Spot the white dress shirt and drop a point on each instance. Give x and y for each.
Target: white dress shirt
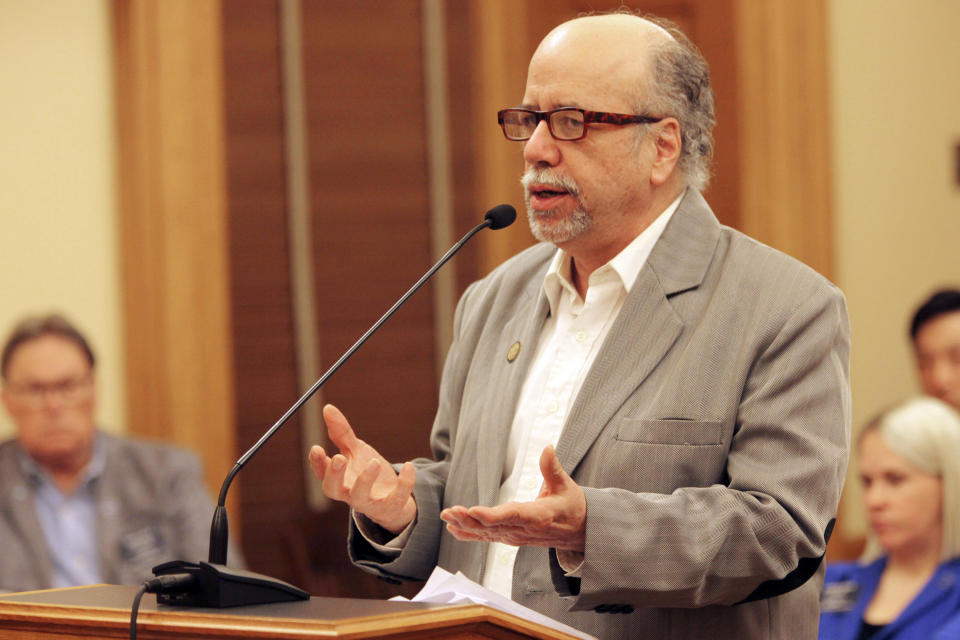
(568, 344)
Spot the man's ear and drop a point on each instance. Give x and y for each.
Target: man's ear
(667, 146)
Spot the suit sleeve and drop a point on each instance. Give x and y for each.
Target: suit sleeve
(762, 531)
(419, 555)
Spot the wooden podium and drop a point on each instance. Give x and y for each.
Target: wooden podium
(103, 611)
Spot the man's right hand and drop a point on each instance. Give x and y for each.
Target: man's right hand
(359, 476)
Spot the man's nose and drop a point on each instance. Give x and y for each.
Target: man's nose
(52, 399)
(541, 149)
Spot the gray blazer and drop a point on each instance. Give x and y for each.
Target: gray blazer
(711, 438)
(151, 503)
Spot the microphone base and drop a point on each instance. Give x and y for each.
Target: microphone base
(218, 586)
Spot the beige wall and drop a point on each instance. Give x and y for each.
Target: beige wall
(896, 120)
(57, 177)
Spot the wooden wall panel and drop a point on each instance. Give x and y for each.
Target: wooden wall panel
(368, 167)
(784, 143)
(367, 163)
(272, 484)
(464, 110)
(173, 222)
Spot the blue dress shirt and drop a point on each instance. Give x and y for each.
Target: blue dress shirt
(69, 522)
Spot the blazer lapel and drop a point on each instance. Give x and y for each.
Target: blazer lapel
(107, 494)
(646, 328)
(523, 327)
(17, 500)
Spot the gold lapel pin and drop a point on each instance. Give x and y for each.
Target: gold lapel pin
(513, 351)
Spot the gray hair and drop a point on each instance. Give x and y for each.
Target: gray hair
(35, 327)
(680, 87)
(926, 433)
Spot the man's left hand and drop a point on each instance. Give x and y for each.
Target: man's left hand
(556, 519)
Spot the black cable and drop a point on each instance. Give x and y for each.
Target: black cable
(134, 610)
(158, 585)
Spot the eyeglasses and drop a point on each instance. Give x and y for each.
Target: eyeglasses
(565, 123)
(69, 391)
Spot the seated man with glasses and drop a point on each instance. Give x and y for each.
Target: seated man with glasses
(644, 420)
(79, 506)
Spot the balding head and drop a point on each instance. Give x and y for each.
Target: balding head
(650, 63)
(613, 49)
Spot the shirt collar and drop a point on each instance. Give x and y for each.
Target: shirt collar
(93, 470)
(626, 265)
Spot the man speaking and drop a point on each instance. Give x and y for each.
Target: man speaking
(643, 423)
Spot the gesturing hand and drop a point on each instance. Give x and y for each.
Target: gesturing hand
(557, 518)
(359, 476)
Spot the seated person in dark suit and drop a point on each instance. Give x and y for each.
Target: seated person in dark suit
(935, 333)
(907, 584)
(79, 506)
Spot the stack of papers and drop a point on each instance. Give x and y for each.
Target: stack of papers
(444, 587)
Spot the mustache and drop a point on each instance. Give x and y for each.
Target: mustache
(548, 178)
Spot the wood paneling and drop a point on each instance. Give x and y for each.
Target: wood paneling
(264, 346)
(363, 80)
(368, 167)
(173, 227)
(784, 125)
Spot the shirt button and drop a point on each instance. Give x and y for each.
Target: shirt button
(581, 336)
(552, 406)
(531, 484)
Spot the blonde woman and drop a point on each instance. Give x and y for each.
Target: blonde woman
(907, 584)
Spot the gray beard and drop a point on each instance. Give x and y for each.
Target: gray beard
(559, 232)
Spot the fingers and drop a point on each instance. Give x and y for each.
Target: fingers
(339, 430)
(319, 461)
(406, 479)
(335, 482)
(363, 485)
(330, 471)
(460, 517)
(554, 477)
(462, 526)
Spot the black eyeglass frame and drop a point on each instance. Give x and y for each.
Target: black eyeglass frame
(602, 117)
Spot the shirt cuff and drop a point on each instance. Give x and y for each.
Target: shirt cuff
(379, 538)
(571, 562)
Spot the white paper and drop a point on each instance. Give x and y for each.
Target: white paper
(444, 587)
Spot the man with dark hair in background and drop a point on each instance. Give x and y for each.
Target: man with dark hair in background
(935, 333)
(644, 421)
(79, 506)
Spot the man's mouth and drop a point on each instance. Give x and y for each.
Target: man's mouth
(545, 196)
(547, 193)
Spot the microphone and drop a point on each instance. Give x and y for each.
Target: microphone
(218, 586)
(500, 216)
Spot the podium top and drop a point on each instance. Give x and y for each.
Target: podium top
(104, 611)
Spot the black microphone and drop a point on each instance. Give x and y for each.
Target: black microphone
(216, 585)
(499, 217)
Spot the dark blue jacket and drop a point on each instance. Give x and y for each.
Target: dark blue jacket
(933, 615)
